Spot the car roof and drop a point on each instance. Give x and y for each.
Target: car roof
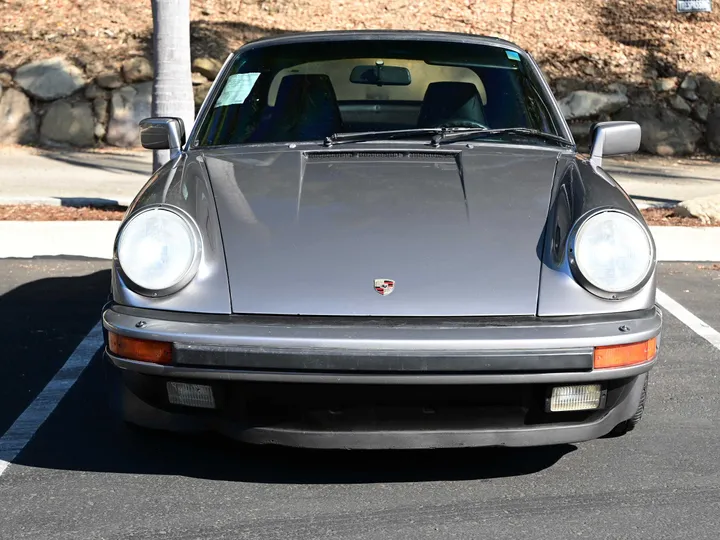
(363, 35)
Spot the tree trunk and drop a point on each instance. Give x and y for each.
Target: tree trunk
(172, 86)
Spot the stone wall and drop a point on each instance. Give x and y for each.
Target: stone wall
(52, 102)
(679, 116)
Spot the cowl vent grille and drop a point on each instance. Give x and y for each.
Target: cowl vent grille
(331, 156)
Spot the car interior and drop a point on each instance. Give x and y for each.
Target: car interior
(315, 100)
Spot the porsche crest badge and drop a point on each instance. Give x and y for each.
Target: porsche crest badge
(384, 286)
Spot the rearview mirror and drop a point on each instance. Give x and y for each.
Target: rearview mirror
(613, 139)
(162, 134)
(381, 75)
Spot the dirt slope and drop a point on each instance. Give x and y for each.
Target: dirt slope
(603, 40)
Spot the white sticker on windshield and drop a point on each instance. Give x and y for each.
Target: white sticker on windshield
(237, 89)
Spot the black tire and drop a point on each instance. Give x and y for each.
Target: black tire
(628, 425)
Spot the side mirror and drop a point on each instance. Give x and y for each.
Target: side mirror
(162, 134)
(613, 139)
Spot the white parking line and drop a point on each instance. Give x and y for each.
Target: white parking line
(27, 424)
(700, 327)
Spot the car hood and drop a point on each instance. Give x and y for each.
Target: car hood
(308, 233)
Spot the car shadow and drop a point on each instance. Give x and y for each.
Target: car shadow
(83, 434)
(47, 307)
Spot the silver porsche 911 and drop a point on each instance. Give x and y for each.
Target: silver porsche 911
(383, 240)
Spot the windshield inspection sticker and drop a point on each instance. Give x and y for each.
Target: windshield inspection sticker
(512, 55)
(237, 89)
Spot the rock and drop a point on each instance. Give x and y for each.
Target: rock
(664, 132)
(70, 123)
(618, 88)
(137, 69)
(18, 124)
(100, 108)
(93, 91)
(109, 80)
(99, 131)
(707, 209)
(208, 67)
(199, 79)
(709, 90)
(199, 93)
(50, 79)
(690, 95)
(564, 86)
(584, 104)
(689, 83)
(700, 112)
(642, 97)
(128, 106)
(5, 79)
(581, 134)
(666, 85)
(712, 134)
(679, 104)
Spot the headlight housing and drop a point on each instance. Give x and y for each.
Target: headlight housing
(612, 254)
(158, 251)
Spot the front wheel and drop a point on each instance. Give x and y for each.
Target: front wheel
(628, 425)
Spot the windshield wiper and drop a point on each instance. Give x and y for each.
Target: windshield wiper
(361, 136)
(474, 133)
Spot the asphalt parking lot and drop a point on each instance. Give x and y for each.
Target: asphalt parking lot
(84, 475)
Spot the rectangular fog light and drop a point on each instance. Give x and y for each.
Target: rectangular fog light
(582, 397)
(191, 395)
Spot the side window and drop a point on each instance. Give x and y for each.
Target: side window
(237, 111)
(539, 115)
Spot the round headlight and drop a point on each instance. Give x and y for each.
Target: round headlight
(158, 251)
(613, 252)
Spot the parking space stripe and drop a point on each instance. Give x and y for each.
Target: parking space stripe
(27, 424)
(700, 327)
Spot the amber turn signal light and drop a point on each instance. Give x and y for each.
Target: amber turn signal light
(625, 355)
(157, 352)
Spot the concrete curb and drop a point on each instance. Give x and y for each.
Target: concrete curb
(25, 239)
(682, 244)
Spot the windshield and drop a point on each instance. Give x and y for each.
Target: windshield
(310, 91)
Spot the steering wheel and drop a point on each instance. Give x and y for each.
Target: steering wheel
(462, 122)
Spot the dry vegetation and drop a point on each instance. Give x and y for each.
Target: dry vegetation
(31, 212)
(668, 217)
(603, 40)
(654, 216)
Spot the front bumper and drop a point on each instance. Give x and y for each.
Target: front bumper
(381, 383)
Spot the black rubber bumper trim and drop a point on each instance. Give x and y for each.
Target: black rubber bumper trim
(339, 360)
